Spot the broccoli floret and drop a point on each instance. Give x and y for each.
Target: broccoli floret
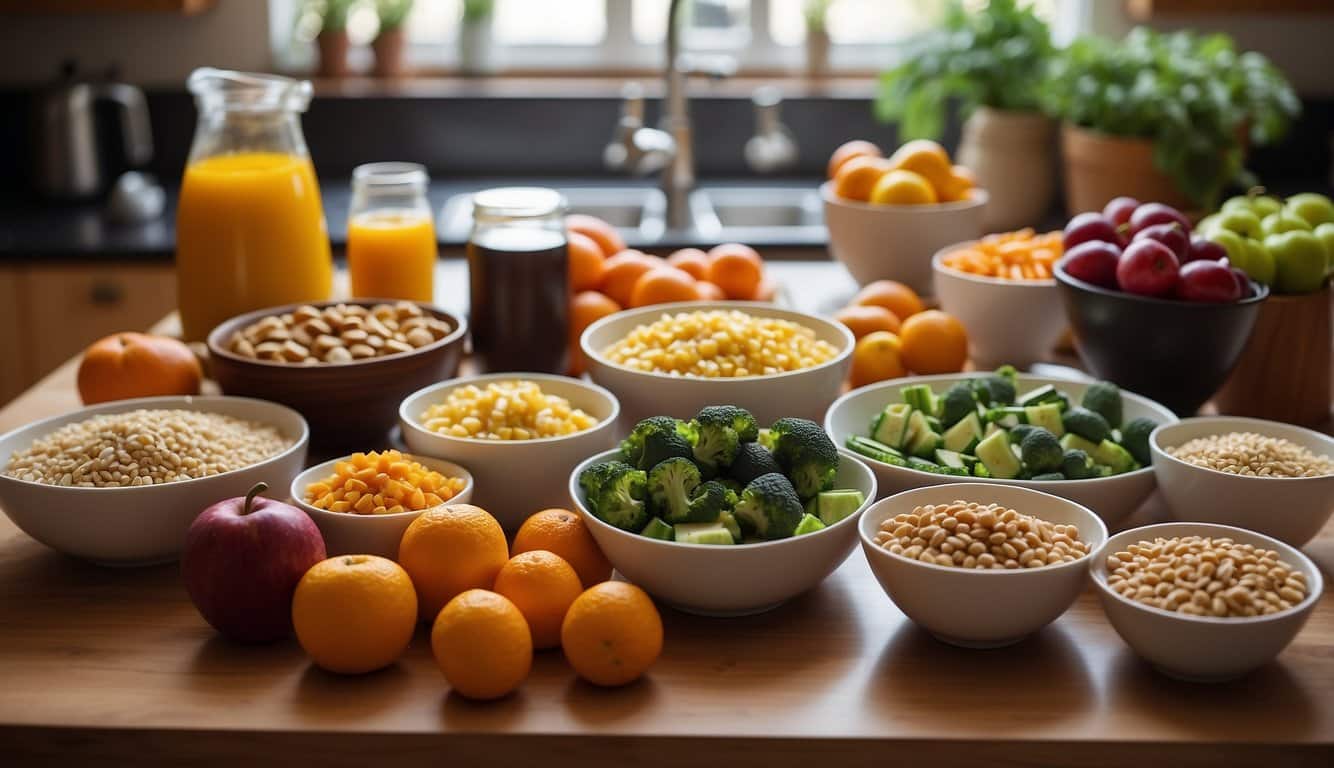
(739, 419)
(1041, 451)
(1104, 398)
(770, 507)
(655, 439)
(1009, 373)
(1086, 423)
(1019, 431)
(806, 454)
(1135, 438)
(994, 390)
(957, 403)
(752, 460)
(709, 501)
(670, 485)
(1076, 465)
(619, 499)
(592, 478)
(717, 432)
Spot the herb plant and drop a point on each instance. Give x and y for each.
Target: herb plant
(477, 10)
(393, 13)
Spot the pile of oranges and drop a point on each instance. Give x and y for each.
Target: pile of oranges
(490, 606)
(918, 173)
(897, 335)
(606, 277)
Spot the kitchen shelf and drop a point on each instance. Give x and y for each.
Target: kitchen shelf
(1143, 10)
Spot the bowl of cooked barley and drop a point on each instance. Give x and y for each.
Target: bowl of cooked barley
(119, 483)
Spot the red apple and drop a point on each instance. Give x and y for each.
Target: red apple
(1148, 268)
(1086, 227)
(242, 561)
(1093, 262)
(1156, 213)
(1170, 235)
(1243, 284)
(1119, 209)
(1204, 248)
(1210, 281)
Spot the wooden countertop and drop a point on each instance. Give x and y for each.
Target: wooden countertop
(112, 666)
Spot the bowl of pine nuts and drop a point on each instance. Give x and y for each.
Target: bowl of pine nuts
(344, 365)
(980, 565)
(1205, 602)
(1266, 476)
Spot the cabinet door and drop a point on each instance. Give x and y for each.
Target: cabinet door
(14, 367)
(69, 307)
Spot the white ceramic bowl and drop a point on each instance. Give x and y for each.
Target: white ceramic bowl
(516, 478)
(805, 393)
(981, 608)
(896, 242)
(351, 534)
(146, 524)
(1200, 648)
(1008, 321)
(729, 581)
(1291, 509)
(1113, 498)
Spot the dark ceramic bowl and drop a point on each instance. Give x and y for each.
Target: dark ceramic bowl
(1176, 352)
(348, 405)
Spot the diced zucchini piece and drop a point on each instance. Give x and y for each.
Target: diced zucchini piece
(872, 449)
(947, 458)
(1047, 416)
(832, 506)
(1114, 456)
(995, 453)
(965, 435)
(1048, 476)
(891, 426)
(704, 533)
(808, 524)
(921, 398)
(657, 529)
(1072, 442)
(1043, 394)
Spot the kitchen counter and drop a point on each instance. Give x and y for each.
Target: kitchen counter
(112, 666)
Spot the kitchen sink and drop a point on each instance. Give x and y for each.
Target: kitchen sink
(640, 213)
(744, 214)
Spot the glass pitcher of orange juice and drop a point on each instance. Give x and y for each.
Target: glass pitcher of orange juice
(391, 246)
(250, 230)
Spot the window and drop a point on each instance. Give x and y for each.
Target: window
(587, 35)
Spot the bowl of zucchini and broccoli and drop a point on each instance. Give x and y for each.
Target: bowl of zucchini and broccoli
(718, 516)
(1085, 441)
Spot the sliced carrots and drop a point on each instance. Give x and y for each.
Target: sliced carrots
(1019, 255)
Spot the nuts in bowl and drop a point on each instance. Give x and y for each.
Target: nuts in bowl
(338, 333)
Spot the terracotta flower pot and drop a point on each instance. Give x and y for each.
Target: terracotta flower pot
(1284, 372)
(389, 46)
(817, 52)
(1012, 155)
(333, 47)
(1099, 167)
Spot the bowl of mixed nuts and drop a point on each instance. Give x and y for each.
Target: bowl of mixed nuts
(344, 365)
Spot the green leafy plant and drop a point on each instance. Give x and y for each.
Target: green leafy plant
(1195, 97)
(815, 12)
(477, 10)
(393, 13)
(996, 57)
(332, 13)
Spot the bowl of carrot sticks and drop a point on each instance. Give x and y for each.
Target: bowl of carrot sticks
(1001, 288)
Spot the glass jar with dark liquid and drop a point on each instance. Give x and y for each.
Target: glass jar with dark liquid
(518, 285)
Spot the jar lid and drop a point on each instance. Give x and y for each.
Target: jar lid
(518, 203)
(390, 174)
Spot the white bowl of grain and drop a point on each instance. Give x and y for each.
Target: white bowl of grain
(229, 443)
(1236, 471)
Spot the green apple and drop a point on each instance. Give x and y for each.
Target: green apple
(1260, 264)
(1312, 208)
(1325, 233)
(1278, 223)
(1207, 225)
(1300, 260)
(1260, 205)
(1241, 221)
(1235, 245)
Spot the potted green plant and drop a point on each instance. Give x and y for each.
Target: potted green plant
(1164, 117)
(332, 39)
(475, 36)
(817, 36)
(389, 40)
(993, 62)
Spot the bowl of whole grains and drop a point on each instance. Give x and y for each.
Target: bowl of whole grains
(519, 433)
(119, 483)
(344, 365)
(1205, 602)
(675, 359)
(364, 502)
(980, 565)
(1266, 476)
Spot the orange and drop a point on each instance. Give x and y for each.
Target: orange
(934, 342)
(849, 150)
(482, 644)
(691, 260)
(877, 357)
(857, 177)
(926, 158)
(663, 285)
(903, 188)
(602, 233)
(354, 613)
(867, 318)
(767, 290)
(612, 633)
(564, 533)
(961, 181)
(586, 308)
(542, 586)
(709, 292)
(892, 295)
(451, 549)
(125, 365)
(623, 271)
(737, 269)
(586, 262)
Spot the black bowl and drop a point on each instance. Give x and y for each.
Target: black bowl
(1176, 352)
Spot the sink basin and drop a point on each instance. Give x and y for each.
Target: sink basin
(744, 214)
(640, 213)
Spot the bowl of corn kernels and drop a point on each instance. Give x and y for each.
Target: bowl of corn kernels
(521, 433)
(344, 365)
(1205, 602)
(1267, 476)
(675, 359)
(363, 502)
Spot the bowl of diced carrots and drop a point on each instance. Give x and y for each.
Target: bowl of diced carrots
(1001, 288)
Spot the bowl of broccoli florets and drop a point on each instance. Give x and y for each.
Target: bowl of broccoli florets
(719, 516)
(1087, 441)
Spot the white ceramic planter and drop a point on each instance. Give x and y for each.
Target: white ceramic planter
(1013, 155)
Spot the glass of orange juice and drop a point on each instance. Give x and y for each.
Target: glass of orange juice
(391, 245)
